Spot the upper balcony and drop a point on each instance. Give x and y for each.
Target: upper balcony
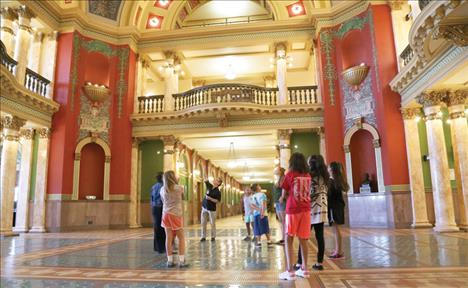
(437, 45)
(236, 98)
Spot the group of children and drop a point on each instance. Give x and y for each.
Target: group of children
(306, 197)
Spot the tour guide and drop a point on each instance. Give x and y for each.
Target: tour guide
(213, 196)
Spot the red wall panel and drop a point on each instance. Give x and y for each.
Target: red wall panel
(363, 159)
(92, 171)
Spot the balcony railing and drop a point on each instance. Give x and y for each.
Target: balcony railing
(423, 3)
(229, 93)
(406, 55)
(36, 83)
(7, 61)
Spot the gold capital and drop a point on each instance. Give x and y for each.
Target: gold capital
(284, 134)
(411, 113)
(44, 133)
(432, 98)
(8, 13)
(12, 123)
(457, 97)
(27, 134)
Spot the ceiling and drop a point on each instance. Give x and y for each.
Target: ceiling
(255, 152)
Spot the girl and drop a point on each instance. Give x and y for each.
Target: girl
(258, 203)
(337, 186)
(172, 221)
(279, 207)
(296, 192)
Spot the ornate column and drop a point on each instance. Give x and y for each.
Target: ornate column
(411, 117)
(169, 142)
(49, 56)
(323, 147)
(140, 80)
(459, 129)
(22, 204)
(284, 138)
(11, 126)
(133, 207)
(169, 73)
(7, 35)
(349, 169)
(440, 174)
(40, 192)
(35, 51)
(281, 68)
(22, 41)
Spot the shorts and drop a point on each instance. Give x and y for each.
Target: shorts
(248, 218)
(298, 225)
(280, 207)
(171, 221)
(336, 215)
(261, 225)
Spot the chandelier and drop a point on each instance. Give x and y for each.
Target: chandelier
(230, 74)
(246, 173)
(232, 156)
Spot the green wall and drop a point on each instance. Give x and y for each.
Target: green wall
(151, 164)
(32, 183)
(307, 143)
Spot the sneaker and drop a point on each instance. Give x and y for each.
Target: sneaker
(253, 239)
(280, 242)
(246, 238)
(302, 273)
(258, 244)
(317, 267)
(297, 266)
(286, 275)
(336, 256)
(203, 239)
(213, 239)
(183, 265)
(269, 243)
(170, 265)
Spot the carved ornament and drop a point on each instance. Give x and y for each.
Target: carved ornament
(284, 134)
(25, 12)
(457, 97)
(12, 123)
(432, 98)
(411, 113)
(27, 134)
(77, 156)
(222, 119)
(8, 13)
(457, 34)
(169, 140)
(376, 143)
(44, 133)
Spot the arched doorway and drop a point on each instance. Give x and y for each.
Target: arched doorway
(363, 160)
(91, 183)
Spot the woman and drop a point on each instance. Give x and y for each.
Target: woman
(336, 205)
(172, 221)
(319, 209)
(279, 207)
(159, 238)
(296, 190)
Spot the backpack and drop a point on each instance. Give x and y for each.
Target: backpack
(301, 188)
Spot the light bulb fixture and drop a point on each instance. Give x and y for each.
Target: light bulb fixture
(417, 118)
(230, 74)
(154, 21)
(162, 3)
(232, 156)
(276, 161)
(196, 172)
(296, 9)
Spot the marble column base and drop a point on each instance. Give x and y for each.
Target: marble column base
(21, 229)
(445, 229)
(8, 234)
(463, 227)
(421, 225)
(37, 230)
(134, 226)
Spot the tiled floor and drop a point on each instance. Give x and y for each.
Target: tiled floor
(374, 258)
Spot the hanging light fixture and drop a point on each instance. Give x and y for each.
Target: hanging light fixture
(230, 74)
(246, 174)
(232, 156)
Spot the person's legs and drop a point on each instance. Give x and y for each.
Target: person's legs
(181, 236)
(299, 256)
(169, 238)
(318, 228)
(160, 232)
(247, 225)
(203, 216)
(304, 252)
(338, 245)
(213, 223)
(155, 229)
(281, 217)
(289, 253)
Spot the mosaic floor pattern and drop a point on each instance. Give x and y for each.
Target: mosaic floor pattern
(124, 258)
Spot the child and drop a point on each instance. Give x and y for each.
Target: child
(259, 206)
(172, 221)
(248, 216)
(336, 205)
(279, 207)
(296, 190)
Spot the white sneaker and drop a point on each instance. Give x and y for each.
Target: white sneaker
(286, 275)
(302, 273)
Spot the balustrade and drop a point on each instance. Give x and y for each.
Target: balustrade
(150, 104)
(229, 93)
(36, 83)
(6, 60)
(406, 55)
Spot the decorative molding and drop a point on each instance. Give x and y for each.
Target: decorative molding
(26, 134)
(10, 137)
(432, 98)
(58, 197)
(346, 149)
(25, 12)
(9, 14)
(12, 123)
(376, 143)
(109, 9)
(107, 159)
(284, 134)
(457, 97)
(411, 113)
(44, 133)
(457, 34)
(168, 140)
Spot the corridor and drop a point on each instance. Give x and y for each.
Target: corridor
(124, 258)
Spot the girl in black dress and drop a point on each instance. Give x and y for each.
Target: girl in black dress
(336, 205)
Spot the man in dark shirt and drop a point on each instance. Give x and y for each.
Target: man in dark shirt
(212, 197)
(159, 243)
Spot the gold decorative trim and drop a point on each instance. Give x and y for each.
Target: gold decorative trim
(457, 97)
(7, 30)
(411, 113)
(168, 140)
(432, 98)
(457, 34)
(456, 115)
(44, 133)
(9, 14)
(107, 159)
(10, 137)
(284, 134)
(12, 122)
(26, 134)
(77, 156)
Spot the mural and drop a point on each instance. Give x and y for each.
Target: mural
(105, 8)
(358, 103)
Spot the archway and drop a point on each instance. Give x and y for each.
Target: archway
(377, 159)
(91, 182)
(77, 165)
(363, 160)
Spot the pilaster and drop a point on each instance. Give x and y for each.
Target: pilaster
(281, 70)
(284, 139)
(411, 117)
(7, 34)
(133, 205)
(169, 149)
(22, 44)
(39, 212)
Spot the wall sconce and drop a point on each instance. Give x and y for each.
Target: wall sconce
(355, 75)
(426, 157)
